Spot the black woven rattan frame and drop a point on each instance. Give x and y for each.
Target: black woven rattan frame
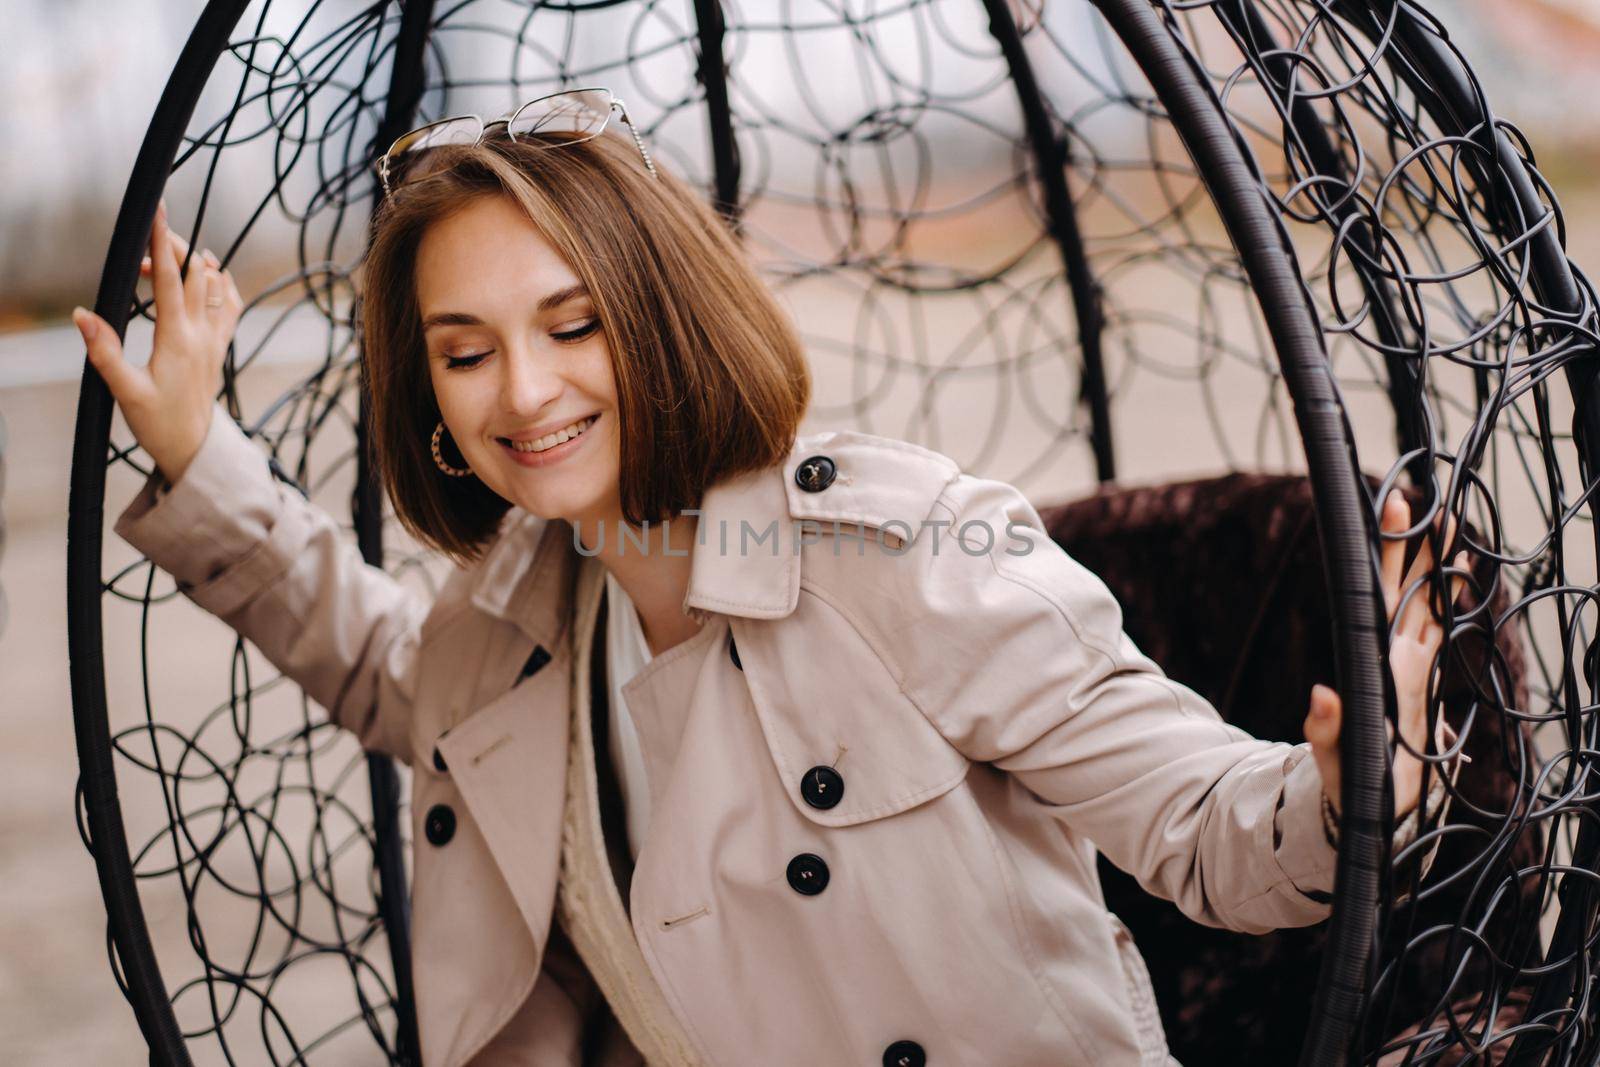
(1513, 222)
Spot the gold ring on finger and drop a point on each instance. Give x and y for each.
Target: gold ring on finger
(214, 302)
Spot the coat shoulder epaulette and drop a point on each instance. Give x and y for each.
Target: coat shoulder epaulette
(851, 478)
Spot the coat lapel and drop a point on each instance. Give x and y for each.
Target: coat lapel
(509, 761)
(508, 758)
(527, 577)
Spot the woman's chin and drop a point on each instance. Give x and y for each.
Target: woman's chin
(569, 507)
(560, 491)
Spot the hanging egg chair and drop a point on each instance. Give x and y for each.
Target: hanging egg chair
(1205, 279)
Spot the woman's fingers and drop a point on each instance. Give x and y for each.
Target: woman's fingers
(232, 305)
(173, 284)
(219, 302)
(130, 385)
(1453, 583)
(195, 284)
(1322, 727)
(1392, 554)
(1322, 730)
(1421, 612)
(164, 275)
(223, 308)
(180, 249)
(1416, 615)
(216, 296)
(1415, 637)
(1432, 625)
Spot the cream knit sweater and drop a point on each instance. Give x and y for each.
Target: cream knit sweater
(588, 900)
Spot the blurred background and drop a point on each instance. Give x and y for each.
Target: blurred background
(80, 81)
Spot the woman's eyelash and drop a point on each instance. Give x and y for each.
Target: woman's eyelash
(458, 362)
(581, 332)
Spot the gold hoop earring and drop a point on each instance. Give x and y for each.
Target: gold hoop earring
(438, 460)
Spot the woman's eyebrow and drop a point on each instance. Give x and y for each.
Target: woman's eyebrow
(553, 299)
(560, 296)
(450, 318)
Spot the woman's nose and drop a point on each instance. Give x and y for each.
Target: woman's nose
(528, 382)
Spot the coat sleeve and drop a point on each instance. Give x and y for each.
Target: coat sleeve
(1019, 659)
(277, 569)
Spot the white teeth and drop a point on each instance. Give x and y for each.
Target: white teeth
(549, 441)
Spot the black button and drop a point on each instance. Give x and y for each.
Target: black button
(440, 825)
(815, 473)
(438, 761)
(535, 661)
(733, 653)
(904, 1054)
(808, 874)
(823, 787)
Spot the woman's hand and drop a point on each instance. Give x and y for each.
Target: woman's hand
(168, 403)
(1412, 649)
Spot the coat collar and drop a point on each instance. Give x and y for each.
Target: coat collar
(528, 576)
(745, 560)
(881, 484)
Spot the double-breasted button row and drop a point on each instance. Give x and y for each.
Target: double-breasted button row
(815, 473)
(822, 787)
(440, 825)
(904, 1054)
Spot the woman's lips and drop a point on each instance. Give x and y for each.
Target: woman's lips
(550, 455)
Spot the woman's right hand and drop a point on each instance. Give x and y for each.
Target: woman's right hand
(168, 403)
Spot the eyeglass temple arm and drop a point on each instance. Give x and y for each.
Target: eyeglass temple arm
(637, 140)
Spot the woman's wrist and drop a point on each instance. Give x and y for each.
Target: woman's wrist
(173, 465)
(1405, 830)
(1330, 821)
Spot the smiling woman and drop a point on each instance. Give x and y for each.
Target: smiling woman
(858, 795)
(513, 292)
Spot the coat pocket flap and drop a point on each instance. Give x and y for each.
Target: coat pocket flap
(848, 744)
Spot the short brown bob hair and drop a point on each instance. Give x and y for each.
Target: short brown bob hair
(711, 378)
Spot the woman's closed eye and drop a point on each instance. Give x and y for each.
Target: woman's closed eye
(582, 330)
(469, 360)
(572, 336)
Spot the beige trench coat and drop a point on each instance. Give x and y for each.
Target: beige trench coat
(980, 717)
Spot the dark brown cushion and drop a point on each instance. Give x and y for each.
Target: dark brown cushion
(1221, 583)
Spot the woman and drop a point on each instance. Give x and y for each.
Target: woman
(816, 777)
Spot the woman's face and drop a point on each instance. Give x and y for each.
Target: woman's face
(516, 354)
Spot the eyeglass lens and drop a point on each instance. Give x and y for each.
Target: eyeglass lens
(580, 113)
(464, 130)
